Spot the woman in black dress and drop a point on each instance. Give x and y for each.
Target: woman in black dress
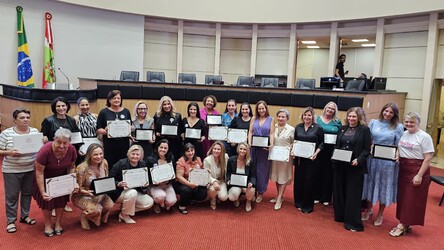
(193, 121)
(59, 119)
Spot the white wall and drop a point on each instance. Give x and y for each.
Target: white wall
(272, 56)
(359, 60)
(235, 57)
(88, 42)
(160, 54)
(198, 55)
(312, 64)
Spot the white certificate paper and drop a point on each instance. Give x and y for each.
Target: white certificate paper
(198, 176)
(238, 180)
(193, 133)
(279, 153)
(60, 185)
(384, 152)
(103, 185)
(217, 133)
(236, 135)
(169, 130)
(87, 142)
(214, 119)
(76, 138)
(330, 138)
(161, 173)
(136, 177)
(342, 155)
(303, 149)
(144, 134)
(259, 141)
(27, 144)
(119, 128)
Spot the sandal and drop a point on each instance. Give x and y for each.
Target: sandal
(397, 231)
(58, 232)
(49, 234)
(183, 210)
(10, 228)
(28, 221)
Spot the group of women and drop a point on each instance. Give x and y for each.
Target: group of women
(317, 178)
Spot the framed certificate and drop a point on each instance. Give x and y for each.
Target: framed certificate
(214, 120)
(60, 185)
(330, 138)
(161, 173)
(279, 153)
(384, 152)
(27, 144)
(103, 185)
(342, 155)
(260, 141)
(303, 149)
(169, 130)
(217, 133)
(76, 138)
(144, 134)
(136, 177)
(236, 135)
(239, 180)
(193, 133)
(119, 128)
(87, 142)
(198, 176)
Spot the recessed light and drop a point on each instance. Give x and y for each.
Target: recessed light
(359, 40)
(308, 42)
(368, 45)
(313, 47)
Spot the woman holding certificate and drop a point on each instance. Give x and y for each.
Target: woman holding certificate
(94, 207)
(186, 189)
(59, 119)
(242, 121)
(227, 117)
(282, 171)
(209, 103)
(194, 129)
(261, 138)
(309, 138)
(168, 125)
(415, 151)
(114, 123)
(18, 169)
(162, 192)
(241, 176)
(87, 124)
(130, 177)
(381, 182)
(141, 122)
(55, 159)
(216, 164)
(350, 164)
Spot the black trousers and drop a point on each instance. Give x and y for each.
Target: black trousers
(187, 194)
(305, 172)
(347, 194)
(324, 179)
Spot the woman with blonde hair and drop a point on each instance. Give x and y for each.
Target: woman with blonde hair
(141, 120)
(216, 164)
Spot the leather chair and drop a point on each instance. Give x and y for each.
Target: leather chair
(129, 76)
(187, 78)
(355, 85)
(440, 181)
(152, 76)
(305, 83)
(270, 82)
(213, 79)
(246, 81)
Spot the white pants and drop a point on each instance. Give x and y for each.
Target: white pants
(234, 193)
(133, 201)
(163, 195)
(222, 194)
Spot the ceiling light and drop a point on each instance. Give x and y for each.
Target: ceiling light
(313, 47)
(368, 45)
(359, 40)
(308, 42)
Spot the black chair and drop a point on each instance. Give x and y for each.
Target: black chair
(355, 85)
(280, 99)
(129, 76)
(319, 101)
(152, 76)
(301, 100)
(213, 79)
(187, 78)
(346, 102)
(440, 181)
(269, 82)
(305, 83)
(246, 81)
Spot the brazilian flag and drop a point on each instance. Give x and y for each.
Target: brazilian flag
(24, 69)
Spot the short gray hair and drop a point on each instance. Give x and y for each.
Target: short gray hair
(63, 133)
(285, 111)
(413, 115)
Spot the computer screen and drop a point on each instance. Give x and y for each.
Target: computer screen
(329, 82)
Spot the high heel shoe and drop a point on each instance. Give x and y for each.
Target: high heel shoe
(84, 221)
(378, 221)
(248, 206)
(278, 205)
(259, 198)
(126, 218)
(397, 231)
(367, 215)
(183, 210)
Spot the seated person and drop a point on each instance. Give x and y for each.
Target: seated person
(216, 163)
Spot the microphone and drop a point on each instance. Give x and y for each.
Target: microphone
(64, 74)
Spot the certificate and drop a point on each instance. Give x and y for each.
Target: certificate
(303, 149)
(144, 134)
(214, 120)
(330, 138)
(26, 144)
(76, 138)
(198, 176)
(217, 133)
(136, 177)
(161, 173)
(87, 142)
(384, 152)
(103, 185)
(119, 128)
(279, 153)
(259, 141)
(193, 133)
(236, 135)
(169, 130)
(60, 185)
(342, 155)
(238, 180)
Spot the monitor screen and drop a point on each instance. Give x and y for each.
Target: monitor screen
(329, 82)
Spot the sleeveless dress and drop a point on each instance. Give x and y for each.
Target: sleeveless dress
(260, 155)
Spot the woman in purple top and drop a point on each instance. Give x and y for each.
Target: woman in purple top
(209, 103)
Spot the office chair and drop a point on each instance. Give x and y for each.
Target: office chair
(152, 76)
(213, 79)
(129, 76)
(269, 82)
(187, 78)
(440, 181)
(355, 85)
(245, 81)
(305, 83)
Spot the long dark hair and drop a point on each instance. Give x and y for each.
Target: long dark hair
(193, 104)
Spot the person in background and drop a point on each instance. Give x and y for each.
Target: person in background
(415, 151)
(227, 117)
(339, 70)
(209, 105)
(193, 121)
(216, 164)
(142, 120)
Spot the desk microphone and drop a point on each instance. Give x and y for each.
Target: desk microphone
(64, 74)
